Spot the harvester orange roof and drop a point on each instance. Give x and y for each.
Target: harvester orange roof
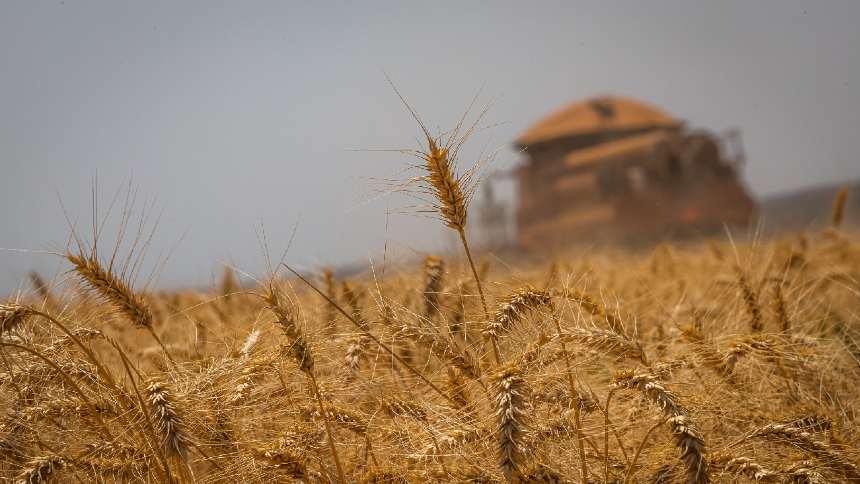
(604, 113)
(621, 149)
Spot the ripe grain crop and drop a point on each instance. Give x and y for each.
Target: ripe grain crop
(697, 370)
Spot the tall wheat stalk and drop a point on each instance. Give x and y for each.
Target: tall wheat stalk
(574, 393)
(450, 192)
(301, 352)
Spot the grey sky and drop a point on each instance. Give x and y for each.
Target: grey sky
(233, 113)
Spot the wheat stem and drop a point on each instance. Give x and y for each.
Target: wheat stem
(632, 464)
(328, 431)
(462, 234)
(606, 438)
(577, 417)
(162, 458)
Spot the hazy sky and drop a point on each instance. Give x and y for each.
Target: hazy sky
(235, 114)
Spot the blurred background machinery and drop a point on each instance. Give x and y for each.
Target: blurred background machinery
(617, 169)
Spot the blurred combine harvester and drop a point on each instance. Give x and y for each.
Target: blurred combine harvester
(613, 168)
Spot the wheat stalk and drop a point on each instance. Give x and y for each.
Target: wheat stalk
(447, 189)
(301, 352)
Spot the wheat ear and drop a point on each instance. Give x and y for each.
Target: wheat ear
(588, 304)
(606, 341)
(750, 300)
(288, 461)
(434, 270)
(168, 424)
(446, 349)
(511, 413)
(353, 300)
(512, 308)
(745, 466)
(780, 308)
(459, 391)
(687, 438)
(112, 289)
(329, 314)
(116, 292)
(285, 320)
(40, 469)
(228, 285)
(803, 472)
(250, 344)
(804, 440)
(838, 213)
(42, 287)
(12, 315)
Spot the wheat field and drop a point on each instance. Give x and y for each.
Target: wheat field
(715, 361)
